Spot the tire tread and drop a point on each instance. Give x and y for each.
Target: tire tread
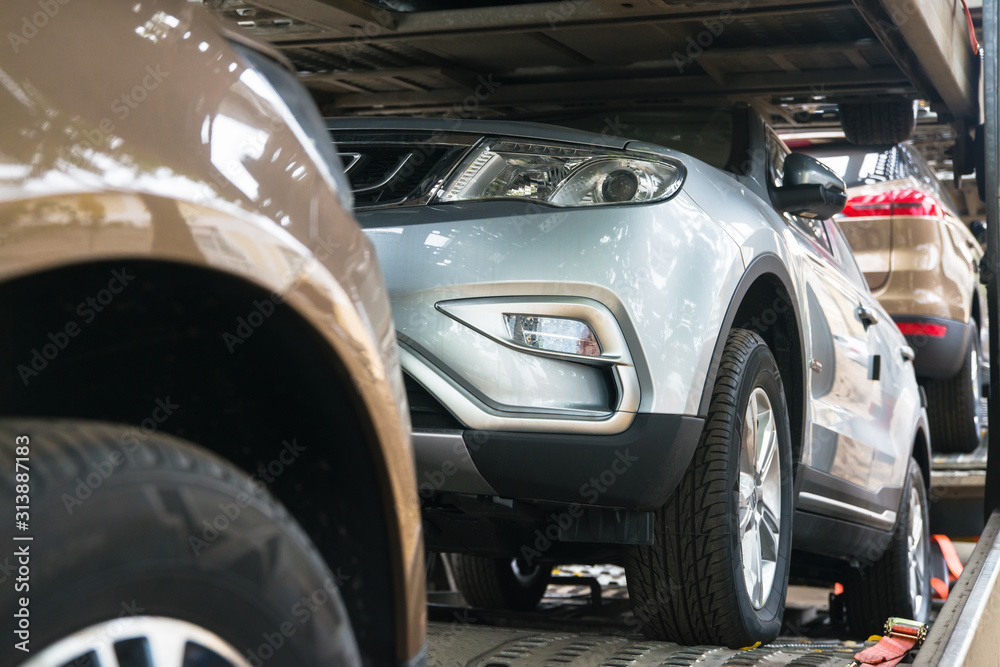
(690, 598)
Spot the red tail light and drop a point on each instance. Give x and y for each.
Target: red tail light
(922, 329)
(893, 202)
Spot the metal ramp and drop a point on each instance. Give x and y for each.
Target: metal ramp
(461, 645)
(571, 628)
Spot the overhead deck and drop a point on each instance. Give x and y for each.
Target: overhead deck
(361, 58)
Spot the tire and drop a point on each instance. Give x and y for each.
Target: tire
(689, 585)
(493, 583)
(875, 593)
(954, 406)
(149, 539)
(878, 123)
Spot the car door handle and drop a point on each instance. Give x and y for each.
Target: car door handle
(867, 316)
(907, 352)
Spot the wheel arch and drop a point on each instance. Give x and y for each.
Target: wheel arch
(976, 312)
(922, 452)
(764, 301)
(162, 338)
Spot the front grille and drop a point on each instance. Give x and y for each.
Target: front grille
(392, 174)
(392, 170)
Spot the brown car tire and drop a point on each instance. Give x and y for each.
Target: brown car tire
(162, 531)
(954, 406)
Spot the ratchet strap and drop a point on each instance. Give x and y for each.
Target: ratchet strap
(939, 588)
(950, 555)
(972, 27)
(901, 635)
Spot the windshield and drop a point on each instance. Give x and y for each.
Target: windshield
(704, 133)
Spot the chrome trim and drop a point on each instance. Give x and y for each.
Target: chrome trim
(354, 161)
(486, 316)
(438, 451)
(388, 179)
(867, 316)
(841, 510)
(474, 414)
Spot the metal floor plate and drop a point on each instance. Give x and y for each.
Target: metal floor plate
(464, 645)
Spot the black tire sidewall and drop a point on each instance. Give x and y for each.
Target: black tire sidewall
(123, 552)
(914, 480)
(761, 371)
(881, 589)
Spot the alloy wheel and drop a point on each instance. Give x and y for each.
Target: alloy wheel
(141, 641)
(759, 498)
(916, 552)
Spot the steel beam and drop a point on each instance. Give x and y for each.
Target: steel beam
(620, 89)
(991, 24)
(964, 634)
(552, 16)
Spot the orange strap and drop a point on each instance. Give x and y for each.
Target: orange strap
(887, 653)
(951, 558)
(940, 589)
(972, 27)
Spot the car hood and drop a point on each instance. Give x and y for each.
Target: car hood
(507, 128)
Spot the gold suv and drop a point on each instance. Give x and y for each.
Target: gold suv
(203, 423)
(922, 263)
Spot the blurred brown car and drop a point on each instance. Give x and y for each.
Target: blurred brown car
(201, 388)
(922, 263)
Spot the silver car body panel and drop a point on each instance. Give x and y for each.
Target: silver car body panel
(623, 258)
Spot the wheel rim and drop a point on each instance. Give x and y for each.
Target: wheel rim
(977, 388)
(524, 575)
(760, 498)
(916, 552)
(168, 642)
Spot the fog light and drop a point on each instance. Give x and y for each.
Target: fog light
(555, 334)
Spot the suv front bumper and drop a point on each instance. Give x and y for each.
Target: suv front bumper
(636, 469)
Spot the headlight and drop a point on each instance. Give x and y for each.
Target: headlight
(560, 176)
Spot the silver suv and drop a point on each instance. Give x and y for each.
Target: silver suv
(642, 340)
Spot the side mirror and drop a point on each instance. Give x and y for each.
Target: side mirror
(978, 229)
(810, 189)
